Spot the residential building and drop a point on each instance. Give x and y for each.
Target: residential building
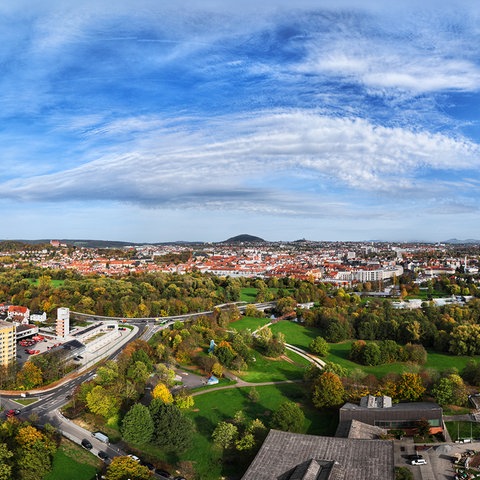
(63, 322)
(8, 346)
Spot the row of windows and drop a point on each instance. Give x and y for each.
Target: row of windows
(392, 424)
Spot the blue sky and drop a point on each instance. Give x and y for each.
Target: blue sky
(151, 121)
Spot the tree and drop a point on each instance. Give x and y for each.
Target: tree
(289, 418)
(224, 435)
(327, 390)
(371, 354)
(173, 431)
(423, 427)
(247, 442)
(125, 468)
(5, 467)
(183, 400)
(450, 390)
(34, 453)
(137, 425)
(253, 395)
(319, 346)
(410, 387)
(162, 392)
(29, 376)
(102, 402)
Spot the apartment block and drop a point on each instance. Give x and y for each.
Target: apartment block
(8, 346)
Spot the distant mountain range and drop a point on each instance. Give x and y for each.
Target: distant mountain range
(456, 241)
(238, 239)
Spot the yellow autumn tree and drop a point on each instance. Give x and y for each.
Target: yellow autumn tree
(162, 392)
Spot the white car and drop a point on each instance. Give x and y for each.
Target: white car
(419, 461)
(134, 457)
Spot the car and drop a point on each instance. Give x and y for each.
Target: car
(418, 461)
(86, 444)
(134, 457)
(148, 465)
(103, 455)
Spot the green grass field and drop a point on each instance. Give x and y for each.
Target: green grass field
(53, 283)
(269, 370)
(251, 323)
(221, 405)
(248, 294)
(72, 462)
(295, 333)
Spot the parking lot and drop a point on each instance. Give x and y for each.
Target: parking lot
(439, 458)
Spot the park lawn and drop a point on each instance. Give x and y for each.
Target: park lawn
(221, 405)
(272, 370)
(53, 283)
(296, 334)
(339, 354)
(248, 294)
(442, 361)
(251, 323)
(72, 462)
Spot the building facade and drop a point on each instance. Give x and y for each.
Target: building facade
(8, 345)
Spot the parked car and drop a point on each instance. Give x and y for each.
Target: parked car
(12, 413)
(103, 455)
(419, 461)
(134, 457)
(86, 444)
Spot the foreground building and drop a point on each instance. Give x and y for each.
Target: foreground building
(294, 456)
(8, 345)
(381, 412)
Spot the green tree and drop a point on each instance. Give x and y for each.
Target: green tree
(319, 346)
(224, 435)
(327, 391)
(410, 387)
(253, 395)
(5, 466)
(289, 418)
(173, 431)
(103, 402)
(29, 376)
(137, 425)
(247, 442)
(183, 400)
(450, 390)
(34, 453)
(125, 468)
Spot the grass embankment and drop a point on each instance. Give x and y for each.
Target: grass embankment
(72, 462)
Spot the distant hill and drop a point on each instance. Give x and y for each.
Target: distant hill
(244, 238)
(456, 241)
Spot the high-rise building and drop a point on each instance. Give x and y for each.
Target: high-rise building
(8, 345)
(63, 322)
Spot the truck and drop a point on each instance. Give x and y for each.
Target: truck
(101, 436)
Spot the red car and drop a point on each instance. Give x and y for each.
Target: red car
(12, 413)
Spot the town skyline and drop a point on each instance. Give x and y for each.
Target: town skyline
(147, 122)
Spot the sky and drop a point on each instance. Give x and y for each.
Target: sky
(155, 121)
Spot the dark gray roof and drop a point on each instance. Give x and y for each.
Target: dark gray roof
(408, 406)
(294, 456)
(356, 429)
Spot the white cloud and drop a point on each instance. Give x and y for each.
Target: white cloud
(251, 163)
